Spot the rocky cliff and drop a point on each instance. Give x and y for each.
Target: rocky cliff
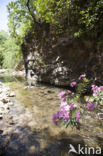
(59, 60)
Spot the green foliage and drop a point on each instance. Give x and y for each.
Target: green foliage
(97, 96)
(20, 20)
(11, 53)
(76, 17)
(83, 86)
(71, 16)
(3, 38)
(9, 50)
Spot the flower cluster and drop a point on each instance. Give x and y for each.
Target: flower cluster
(96, 98)
(68, 113)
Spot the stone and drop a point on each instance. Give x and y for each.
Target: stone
(6, 107)
(5, 100)
(100, 115)
(26, 87)
(12, 94)
(10, 104)
(1, 117)
(2, 108)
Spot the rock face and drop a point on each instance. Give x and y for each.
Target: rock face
(60, 60)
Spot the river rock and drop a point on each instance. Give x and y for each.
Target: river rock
(6, 107)
(12, 94)
(5, 100)
(2, 108)
(1, 117)
(10, 103)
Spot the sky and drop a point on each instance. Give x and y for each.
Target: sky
(4, 14)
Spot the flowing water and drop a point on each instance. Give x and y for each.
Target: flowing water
(34, 134)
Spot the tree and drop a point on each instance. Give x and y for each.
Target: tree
(10, 52)
(76, 17)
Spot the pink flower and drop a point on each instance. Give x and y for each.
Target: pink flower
(95, 89)
(68, 92)
(63, 99)
(66, 115)
(63, 104)
(73, 84)
(61, 114)
(91, 106)
(88, 99)
(65, 107)
(71, 106)
(77, 115)
(72, 94)
(101, 88)
(62, 94)
(82, 76)
(55, 118)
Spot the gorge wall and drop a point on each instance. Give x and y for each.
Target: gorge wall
(60, 60)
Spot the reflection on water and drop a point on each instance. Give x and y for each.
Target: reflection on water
(34, 132)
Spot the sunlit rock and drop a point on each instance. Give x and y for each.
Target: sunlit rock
(12, 94)
(5, 99)
(10, 103)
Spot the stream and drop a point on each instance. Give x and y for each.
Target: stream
(33, 133)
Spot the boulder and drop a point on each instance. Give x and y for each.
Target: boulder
(59, 60)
